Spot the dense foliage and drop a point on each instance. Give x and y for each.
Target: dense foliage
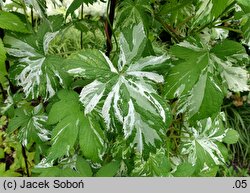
(124, 88)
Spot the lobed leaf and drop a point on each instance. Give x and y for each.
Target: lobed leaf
(128, 92)
(72, 125)
(41, 74)
(194, 78)
(203, 142)
(30, 123)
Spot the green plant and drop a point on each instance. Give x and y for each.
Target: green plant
(238, 118)
(139, 97)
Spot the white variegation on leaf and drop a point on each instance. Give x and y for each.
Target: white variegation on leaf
(208, 11)
(138, 42)
(48, 37)
(202, 140)
(91, 95)
(29, 78)
(193, 79)
(235, 77)
(41, 74)
(127, 90)
(30, 123)
(157, 164)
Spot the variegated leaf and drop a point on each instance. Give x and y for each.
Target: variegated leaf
(208, 11)
(128, 92)
(30, 122)
(131, 49)
(205, 98)
(202, 143)
(156, 165)
(235, 76)
(194, 77)
(39, 74)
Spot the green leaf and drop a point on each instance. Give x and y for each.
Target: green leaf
(109, 170)
(74, 166)
(173, 6)
(71, 124)
(30, 122)
(245, 3)
(12, 22)
(185, 169)
(205, 98)
(91, 138)
(232, 136)
(83, 167)
(76, 4)
(209, 171)
(128, 91)
(156, 165)
(219, 7)
(229, 49)
(94, 66)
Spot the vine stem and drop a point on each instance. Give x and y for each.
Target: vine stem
(109, 25)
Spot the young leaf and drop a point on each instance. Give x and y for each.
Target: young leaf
(71, 124)
(30, 122)
(128, 91)
(12, 22)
